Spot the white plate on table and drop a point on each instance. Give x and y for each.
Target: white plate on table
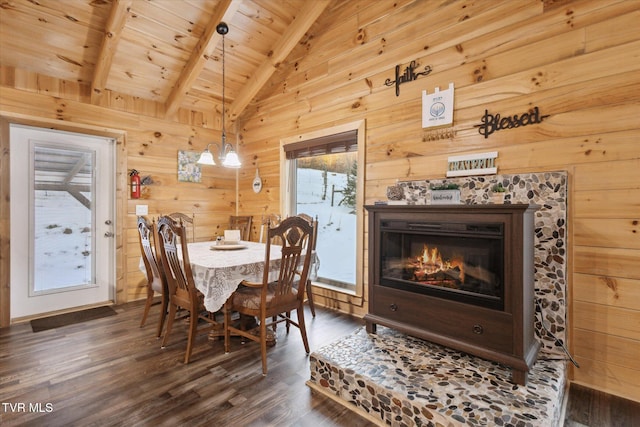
(227, 247)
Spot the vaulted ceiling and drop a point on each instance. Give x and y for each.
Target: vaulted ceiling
(167, 51)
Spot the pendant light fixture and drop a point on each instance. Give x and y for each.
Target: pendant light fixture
(226, 153)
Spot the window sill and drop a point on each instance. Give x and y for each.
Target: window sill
(346, 289)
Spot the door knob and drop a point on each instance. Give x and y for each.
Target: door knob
(108, 234)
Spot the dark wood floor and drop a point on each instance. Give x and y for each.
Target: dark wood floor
(109, 372)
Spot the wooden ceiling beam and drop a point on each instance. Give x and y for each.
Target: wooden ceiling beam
(205, 47)
(113, 31)
(300, 25)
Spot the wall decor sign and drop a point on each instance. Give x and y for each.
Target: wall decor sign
(437, 108)
(188, 168)
(257, 183)
(409, 75)
(473, 164)
(493, 123)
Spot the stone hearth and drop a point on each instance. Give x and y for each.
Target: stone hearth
(398, 380)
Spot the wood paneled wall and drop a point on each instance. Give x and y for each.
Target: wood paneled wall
(147, 142)
(578, 61)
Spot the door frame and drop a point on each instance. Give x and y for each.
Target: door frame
(5, 197)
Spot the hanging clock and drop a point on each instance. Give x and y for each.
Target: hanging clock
(257, 183)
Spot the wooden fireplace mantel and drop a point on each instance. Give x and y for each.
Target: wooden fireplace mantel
(505, 335)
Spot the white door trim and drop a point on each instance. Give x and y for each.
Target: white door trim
(21, 249)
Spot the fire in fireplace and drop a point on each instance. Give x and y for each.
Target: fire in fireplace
(457, 261)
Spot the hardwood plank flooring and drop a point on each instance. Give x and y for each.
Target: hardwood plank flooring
(587, 407)
(110, 372)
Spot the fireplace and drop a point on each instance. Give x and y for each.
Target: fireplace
(458, 275)
(451, 260)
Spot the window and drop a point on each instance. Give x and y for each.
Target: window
(322, 180)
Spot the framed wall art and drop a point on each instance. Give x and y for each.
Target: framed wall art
(188, 168)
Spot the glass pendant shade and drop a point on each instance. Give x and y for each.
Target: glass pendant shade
(206, 158)
(231, 160)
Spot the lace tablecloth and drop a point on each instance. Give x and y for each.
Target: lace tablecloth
(217, 273)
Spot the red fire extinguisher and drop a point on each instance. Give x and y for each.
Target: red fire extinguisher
(135, 184)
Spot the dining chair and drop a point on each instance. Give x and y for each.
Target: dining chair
(156, 280)
(267, 299)
(242, 223)
(309, 219)
(187, 220)
(266, 221)
(171, 237)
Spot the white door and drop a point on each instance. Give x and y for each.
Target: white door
(62, 220)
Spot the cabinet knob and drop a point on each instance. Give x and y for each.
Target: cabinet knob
(477, 329)
(393, 307)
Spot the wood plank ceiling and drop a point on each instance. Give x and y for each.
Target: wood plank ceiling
(167, 51)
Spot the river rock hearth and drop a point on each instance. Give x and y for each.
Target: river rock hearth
(398, 380)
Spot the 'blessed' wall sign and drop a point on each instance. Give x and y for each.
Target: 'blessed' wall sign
(493, 123)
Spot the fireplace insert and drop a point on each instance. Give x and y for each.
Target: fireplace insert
(452, 260)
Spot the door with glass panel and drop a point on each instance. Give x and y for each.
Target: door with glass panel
(62, 230)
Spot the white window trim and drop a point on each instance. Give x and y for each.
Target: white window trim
(286, 185)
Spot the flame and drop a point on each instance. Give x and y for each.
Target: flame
(431, 262)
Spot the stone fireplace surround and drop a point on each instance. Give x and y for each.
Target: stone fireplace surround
(549, 191)
(396, 379)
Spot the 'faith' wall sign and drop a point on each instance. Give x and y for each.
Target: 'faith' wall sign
(409, 75)
(473, 164)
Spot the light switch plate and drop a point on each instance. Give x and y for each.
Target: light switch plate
(142, 210)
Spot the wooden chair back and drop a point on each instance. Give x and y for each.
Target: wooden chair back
(314, 222)
(172, 245)
(188, 221)
(267, 221)
(172, 240)
(155, 275)
(296, 237)
(275, 300)
(156, 280)
(313, 268)
(242, 223)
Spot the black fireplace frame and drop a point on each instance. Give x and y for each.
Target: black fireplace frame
(445, 231)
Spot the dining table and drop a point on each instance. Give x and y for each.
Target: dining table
(218, 269)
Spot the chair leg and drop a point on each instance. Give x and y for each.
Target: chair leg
(287, 324)
(147, 306)
(263, 345)
(193, 327)
(227, 332)
(163, 315)
(303, 328)
(172, 316)
(310, 299)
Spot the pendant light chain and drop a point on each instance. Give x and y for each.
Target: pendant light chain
(224, 133)
(227, 154)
